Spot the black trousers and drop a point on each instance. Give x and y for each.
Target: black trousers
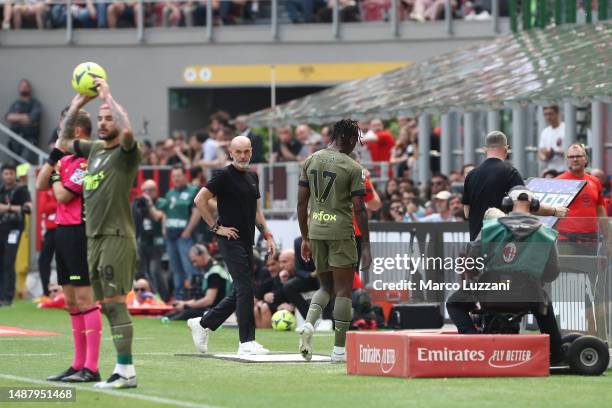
(459, 313)
(293, 292)
(187, 314)
(8, 254)
(238, 257)
(45, 258)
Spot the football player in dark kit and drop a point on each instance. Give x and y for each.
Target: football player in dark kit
(333, 185)
(111, 244)
(239, 205)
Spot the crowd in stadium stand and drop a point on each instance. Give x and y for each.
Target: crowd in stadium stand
(44, 14)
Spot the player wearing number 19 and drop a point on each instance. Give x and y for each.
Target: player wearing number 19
(111, 245)
(333, 184)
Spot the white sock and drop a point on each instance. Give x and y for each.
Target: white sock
(125, 370)
(339, 350)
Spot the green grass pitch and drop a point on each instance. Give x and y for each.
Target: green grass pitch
(166, 380)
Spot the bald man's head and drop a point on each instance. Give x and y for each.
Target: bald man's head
(241, 151)
(149, 187)
(287, 261)
(600, 175)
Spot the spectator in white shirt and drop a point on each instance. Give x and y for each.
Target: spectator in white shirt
(551, 152)
(443, 213)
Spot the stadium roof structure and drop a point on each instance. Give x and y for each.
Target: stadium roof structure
(536, 66)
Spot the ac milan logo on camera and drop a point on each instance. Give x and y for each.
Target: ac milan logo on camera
(509, 252)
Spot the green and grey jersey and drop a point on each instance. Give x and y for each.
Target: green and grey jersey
(333, 179)
(106, 188)
(178, 207)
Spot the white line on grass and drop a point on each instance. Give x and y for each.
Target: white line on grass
(28, 354)
(122, 394)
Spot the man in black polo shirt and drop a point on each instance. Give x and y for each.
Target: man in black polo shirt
(487, 184)
(239, 205)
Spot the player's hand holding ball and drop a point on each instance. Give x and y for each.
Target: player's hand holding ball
(84, 78)
(103, 88)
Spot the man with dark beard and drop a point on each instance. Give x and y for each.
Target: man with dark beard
(23, 118)
(111, 244)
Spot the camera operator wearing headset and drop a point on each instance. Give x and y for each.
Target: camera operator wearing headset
(14, 203)
(518, 249)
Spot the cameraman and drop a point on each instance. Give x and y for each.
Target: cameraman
(149, 237)
(14, 203)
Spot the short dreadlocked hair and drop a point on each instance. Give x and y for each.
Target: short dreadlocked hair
(344, 130)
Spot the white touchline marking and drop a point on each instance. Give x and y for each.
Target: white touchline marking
(122, 394)
(28, 354)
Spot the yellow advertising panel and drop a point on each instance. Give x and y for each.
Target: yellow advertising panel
(284, 73)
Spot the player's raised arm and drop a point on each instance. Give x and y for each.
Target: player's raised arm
(119, 114)
(66, 134)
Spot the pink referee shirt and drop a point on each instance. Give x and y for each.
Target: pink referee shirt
(72, 171)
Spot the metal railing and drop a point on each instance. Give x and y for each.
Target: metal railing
(390, 15)
(40, 155)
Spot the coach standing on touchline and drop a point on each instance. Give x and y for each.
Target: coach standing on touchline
(239, 205)
(487, 184)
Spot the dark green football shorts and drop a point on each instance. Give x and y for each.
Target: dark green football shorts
(341, 253)
(112, 261)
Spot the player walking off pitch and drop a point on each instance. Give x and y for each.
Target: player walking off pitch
(333, 184)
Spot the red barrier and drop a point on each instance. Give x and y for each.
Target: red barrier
(406, 354)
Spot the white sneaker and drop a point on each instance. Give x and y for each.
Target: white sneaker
(117, 381)
(305, 341)
(483, 16)
(6, 25)
(198, 334)
(249, 348)
(338, 355)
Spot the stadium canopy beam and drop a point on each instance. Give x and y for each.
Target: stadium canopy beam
(492, 120)
(469, 138)
(598, 126)
(519, 115)
(446, 144)
(569, 117)
(424, 148)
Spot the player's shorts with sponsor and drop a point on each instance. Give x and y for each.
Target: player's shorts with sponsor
(340, 253)
(71, 255)
(112, 260)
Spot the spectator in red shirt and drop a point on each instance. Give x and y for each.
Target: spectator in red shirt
(580, 224)
(380, 142)
(48, 206)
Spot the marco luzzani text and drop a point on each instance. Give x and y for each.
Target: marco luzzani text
(409, 265)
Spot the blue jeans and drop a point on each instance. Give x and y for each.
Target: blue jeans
(101, 12)
(180, 264)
